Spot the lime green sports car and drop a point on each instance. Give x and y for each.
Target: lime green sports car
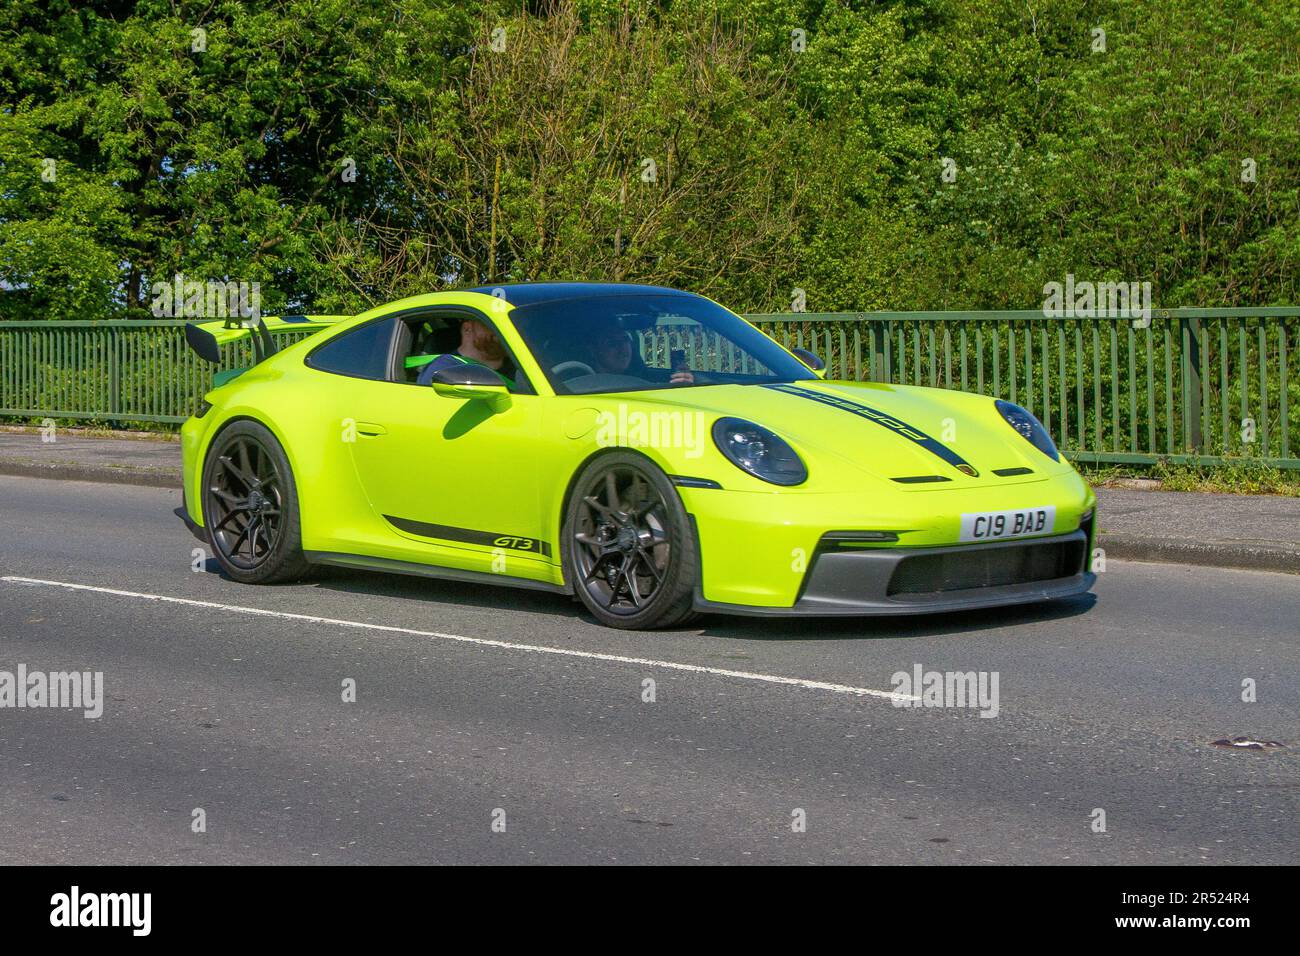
(640, 448)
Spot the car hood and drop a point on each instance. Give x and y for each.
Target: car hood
(900, 434)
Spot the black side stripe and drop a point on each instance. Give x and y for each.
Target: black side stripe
(896, 425)
(489, 539)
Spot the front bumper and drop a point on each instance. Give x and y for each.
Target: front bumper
(889, 581)
(183, 513)
(758, 550)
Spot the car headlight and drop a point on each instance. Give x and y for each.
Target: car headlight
(758, 451)
(1029, 427)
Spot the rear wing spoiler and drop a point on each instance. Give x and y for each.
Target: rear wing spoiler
(206, 339)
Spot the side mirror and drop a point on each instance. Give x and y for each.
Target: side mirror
(812, 361)
(471, 380)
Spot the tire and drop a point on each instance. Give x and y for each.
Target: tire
(248, 484)
(628, 547)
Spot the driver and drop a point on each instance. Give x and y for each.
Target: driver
(613, 351)
(478, 343)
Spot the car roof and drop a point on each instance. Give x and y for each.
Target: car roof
(532, 293)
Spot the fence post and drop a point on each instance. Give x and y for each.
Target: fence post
(1192, 385)
(114, 373)
(877, 350)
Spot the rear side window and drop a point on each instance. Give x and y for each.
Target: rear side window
(361, 353)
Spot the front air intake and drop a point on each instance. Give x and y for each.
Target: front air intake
(987, 567)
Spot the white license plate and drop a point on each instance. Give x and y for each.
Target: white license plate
(1000, 525)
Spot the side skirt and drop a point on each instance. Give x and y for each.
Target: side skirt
(367, 563)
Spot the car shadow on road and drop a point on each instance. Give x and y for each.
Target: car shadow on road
(898, 627)
(710, 625)
(420, 588)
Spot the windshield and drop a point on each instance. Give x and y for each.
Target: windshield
(635, 342)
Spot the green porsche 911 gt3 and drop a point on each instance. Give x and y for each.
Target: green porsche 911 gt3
(641, 448)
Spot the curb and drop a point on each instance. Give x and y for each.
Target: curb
(1121, 546)
(163, 438)
(1180, 551)
(102, 474)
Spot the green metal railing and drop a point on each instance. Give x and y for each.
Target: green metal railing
(1196, 385)
(138, 371)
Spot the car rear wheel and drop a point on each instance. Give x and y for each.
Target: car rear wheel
(250, 506)
(629, 550)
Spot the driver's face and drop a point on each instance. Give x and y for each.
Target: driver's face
(614, 351)
(485, 340)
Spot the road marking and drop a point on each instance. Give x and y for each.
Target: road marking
(480, 641)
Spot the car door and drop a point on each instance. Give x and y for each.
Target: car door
(449, 479)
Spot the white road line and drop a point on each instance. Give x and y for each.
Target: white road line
(483, 642)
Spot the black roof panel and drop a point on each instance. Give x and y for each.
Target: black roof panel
(531, 293)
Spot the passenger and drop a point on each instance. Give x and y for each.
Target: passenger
(614, 353)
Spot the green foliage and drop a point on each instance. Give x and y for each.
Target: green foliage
(1245, 477)
(495, 140)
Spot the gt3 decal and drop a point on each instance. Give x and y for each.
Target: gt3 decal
(488, 539)
(896, 425)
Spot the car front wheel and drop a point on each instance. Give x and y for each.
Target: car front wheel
(629, 550)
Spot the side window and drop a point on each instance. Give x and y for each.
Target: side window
(361, 353)
(437, 333)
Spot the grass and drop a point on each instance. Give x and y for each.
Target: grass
(143, 431)
(1239, 478)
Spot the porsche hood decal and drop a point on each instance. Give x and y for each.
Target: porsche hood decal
(896, 425)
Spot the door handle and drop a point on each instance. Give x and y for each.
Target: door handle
(370, 429)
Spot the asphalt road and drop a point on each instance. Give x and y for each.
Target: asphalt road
(472, 700)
